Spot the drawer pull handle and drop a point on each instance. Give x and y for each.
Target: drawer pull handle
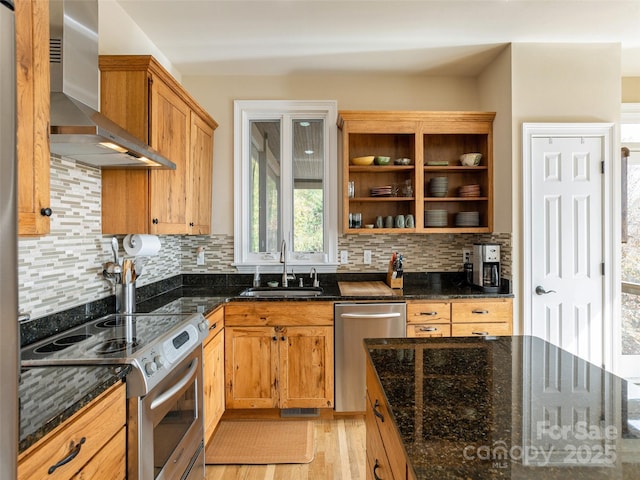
(375, 473)
(480, 312)
(376, 412)
(73, 454)
(428, 329)
(430, 314)
(484, 334)
(213, 327)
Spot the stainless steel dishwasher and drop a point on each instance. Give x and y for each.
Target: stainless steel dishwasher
(353, 323)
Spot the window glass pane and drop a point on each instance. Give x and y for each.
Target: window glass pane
(308, 183)
(631, 264)
(264, 186)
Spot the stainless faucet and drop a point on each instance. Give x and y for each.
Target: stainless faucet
(314, 274)
(283, 259)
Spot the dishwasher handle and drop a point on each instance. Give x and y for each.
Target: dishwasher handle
(371, 315)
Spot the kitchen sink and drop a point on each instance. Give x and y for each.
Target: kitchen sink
(281, 292)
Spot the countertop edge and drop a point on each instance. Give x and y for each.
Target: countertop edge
(67, 413)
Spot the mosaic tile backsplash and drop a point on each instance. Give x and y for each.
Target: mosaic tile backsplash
(64, 269)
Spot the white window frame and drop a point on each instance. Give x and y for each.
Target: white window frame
(246, 111)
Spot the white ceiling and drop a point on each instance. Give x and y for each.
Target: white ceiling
(445, 37)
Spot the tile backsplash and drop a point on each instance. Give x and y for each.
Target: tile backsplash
(64, 269)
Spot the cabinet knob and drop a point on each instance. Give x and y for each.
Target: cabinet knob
(275, 339)
(155, 221)
(46, 212)
(191, 224)
(283, 338)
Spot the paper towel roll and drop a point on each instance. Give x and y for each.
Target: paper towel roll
(141, 245)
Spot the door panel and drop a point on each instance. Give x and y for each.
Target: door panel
(567, 243)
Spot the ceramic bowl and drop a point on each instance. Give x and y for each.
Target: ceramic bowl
(402, 161)
(470, 159)
(382, 160)
(363, 161)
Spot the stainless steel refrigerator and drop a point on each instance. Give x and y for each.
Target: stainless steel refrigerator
(8, 247)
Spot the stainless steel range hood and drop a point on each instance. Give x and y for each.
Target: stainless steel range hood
(78, 130)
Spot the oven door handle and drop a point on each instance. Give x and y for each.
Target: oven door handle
(168, 394)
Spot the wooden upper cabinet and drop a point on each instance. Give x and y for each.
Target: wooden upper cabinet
(32, 77)
(142, 97)
(202, 173)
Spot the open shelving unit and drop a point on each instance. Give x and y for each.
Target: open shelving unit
(425, 138)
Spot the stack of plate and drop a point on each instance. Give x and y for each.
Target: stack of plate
(384, 191)
(469, 191)
(438, 186)
(467, 219)
(435, 218)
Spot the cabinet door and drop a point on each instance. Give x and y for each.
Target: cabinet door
(213, 383)
(251, 367)
(306, 367)
(32, 119)
(170, 136)
(201, 168)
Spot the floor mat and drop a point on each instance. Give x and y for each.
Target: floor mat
(260, 442)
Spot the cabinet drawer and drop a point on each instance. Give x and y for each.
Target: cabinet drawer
(97, 423)
(480, 329)
(388, 433)
(248, 314)
(216, 323)
(110, 463)
(377, 462)
(428, 313)
(429, 330)
(481, 311)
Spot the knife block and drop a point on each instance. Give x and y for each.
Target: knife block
(394, 282)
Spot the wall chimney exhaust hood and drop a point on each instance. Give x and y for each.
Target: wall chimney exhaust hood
(78, 130)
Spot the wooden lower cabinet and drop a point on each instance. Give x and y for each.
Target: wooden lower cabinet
(385, 455)
(279, 355)
(97, 433)
(460, 318)
(213, 373)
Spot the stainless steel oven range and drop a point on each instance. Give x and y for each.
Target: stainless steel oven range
(165, 429)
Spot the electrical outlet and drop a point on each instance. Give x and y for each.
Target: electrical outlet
(200, 256)
(466, 255)
(367, 257)
(344, 257)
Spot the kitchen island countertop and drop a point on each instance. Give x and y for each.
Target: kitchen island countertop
(506, 408)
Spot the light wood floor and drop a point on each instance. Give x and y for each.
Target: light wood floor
(340, 455)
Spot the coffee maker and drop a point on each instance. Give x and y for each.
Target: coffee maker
(486, 266)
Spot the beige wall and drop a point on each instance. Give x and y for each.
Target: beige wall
(494, 85)
(631, 90)
(352, 92)
(558, 83)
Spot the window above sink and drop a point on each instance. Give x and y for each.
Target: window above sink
(285, 184)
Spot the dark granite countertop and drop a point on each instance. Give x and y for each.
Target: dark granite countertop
(507, 408)
(50, 395)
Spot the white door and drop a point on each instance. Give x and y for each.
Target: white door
(565, 235)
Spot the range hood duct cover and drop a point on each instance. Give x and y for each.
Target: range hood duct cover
(78, 130)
